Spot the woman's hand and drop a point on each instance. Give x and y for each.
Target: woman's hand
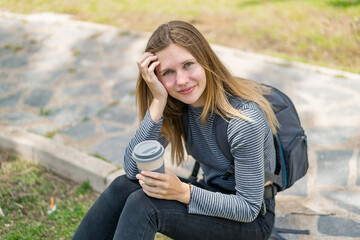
(164, 186)
(147, 64)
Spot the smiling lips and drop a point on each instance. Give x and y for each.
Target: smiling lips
(186, 91)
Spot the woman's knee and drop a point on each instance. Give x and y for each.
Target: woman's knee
(121, 186)
(139, 202)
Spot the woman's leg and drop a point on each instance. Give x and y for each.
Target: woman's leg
(101, 220)
(143, 216)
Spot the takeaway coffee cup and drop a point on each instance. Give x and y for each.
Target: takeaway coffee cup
(149, 155)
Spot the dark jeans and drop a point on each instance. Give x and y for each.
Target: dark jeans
(124, 211)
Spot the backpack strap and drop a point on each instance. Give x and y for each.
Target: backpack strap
(195, 171)
(185, 124)
(220, 129)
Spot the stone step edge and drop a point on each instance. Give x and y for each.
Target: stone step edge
(64, 160)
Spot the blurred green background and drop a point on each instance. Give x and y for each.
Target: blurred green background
(321, 32)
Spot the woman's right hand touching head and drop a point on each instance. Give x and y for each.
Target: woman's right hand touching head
(147, 65)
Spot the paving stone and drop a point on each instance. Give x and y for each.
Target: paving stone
(76, 34)
(72, 114)
(65, 115)
(14, 62)
(51, 60)
(90, 108)
(113, 149)
(271, 80)
(298, 189)
(129, 99)
(21, 118)
(358, 170)
(114, 59)
(119, 114)
(42, 130)
(4, 76)
(330, 164)
(39, 97)
(352, 84)
(91, 89)
(10, 38)
(348, 200)
(84, 76)
(296, 222)
(329, 136)
(59, 38)
(5, 52)
(87, 59)
(290, 74)
(3, 36)
(11, 100)
(329, 95)
(122, 89)
(40, 78)
(11, 25)
(346, 110)
(111, 129)
(87, 45)
(82, 130)
(5, 87)
(117, 43)
(336, 226)
(119, 74)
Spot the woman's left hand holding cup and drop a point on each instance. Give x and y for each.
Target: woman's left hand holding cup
(164, 186)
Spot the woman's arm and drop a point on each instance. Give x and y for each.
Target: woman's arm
(147, 64)
(148, 130)
(246, 140)
(151, 124)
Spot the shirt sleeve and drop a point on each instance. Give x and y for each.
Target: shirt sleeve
(246, 139)
(148, 130)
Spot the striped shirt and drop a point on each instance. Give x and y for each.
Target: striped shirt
(251, 144)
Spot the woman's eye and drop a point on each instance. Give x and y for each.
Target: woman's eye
(188, 64)
(167, 73)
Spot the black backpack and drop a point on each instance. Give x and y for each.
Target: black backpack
(290, 142)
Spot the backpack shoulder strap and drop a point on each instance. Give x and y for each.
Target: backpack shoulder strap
(185, 124)
(220, 129)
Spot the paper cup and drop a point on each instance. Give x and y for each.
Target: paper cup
(149, 155)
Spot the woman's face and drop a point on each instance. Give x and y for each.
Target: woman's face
(182, 76)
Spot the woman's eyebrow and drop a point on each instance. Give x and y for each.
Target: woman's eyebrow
(192, 59)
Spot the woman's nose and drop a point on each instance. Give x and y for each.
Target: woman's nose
(181, 78)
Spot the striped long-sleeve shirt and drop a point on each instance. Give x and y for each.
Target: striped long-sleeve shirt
(251, 144)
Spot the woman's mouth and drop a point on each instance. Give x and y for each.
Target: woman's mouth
(187, 90)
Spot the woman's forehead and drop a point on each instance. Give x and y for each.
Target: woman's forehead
(173, 55)
(173, 49)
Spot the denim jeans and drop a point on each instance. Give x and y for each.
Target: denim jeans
(124, 211)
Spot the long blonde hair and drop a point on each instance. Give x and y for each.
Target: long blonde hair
(220, 85)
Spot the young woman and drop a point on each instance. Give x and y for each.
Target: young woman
(180, 76)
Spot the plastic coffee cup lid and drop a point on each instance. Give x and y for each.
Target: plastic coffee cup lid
(147, 151)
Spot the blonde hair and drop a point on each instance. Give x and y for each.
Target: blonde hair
(220, 85)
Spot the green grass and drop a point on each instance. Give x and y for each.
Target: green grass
(45, 112)
(51, 134)
(97, 155)
(26, 189)
(323, 32)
